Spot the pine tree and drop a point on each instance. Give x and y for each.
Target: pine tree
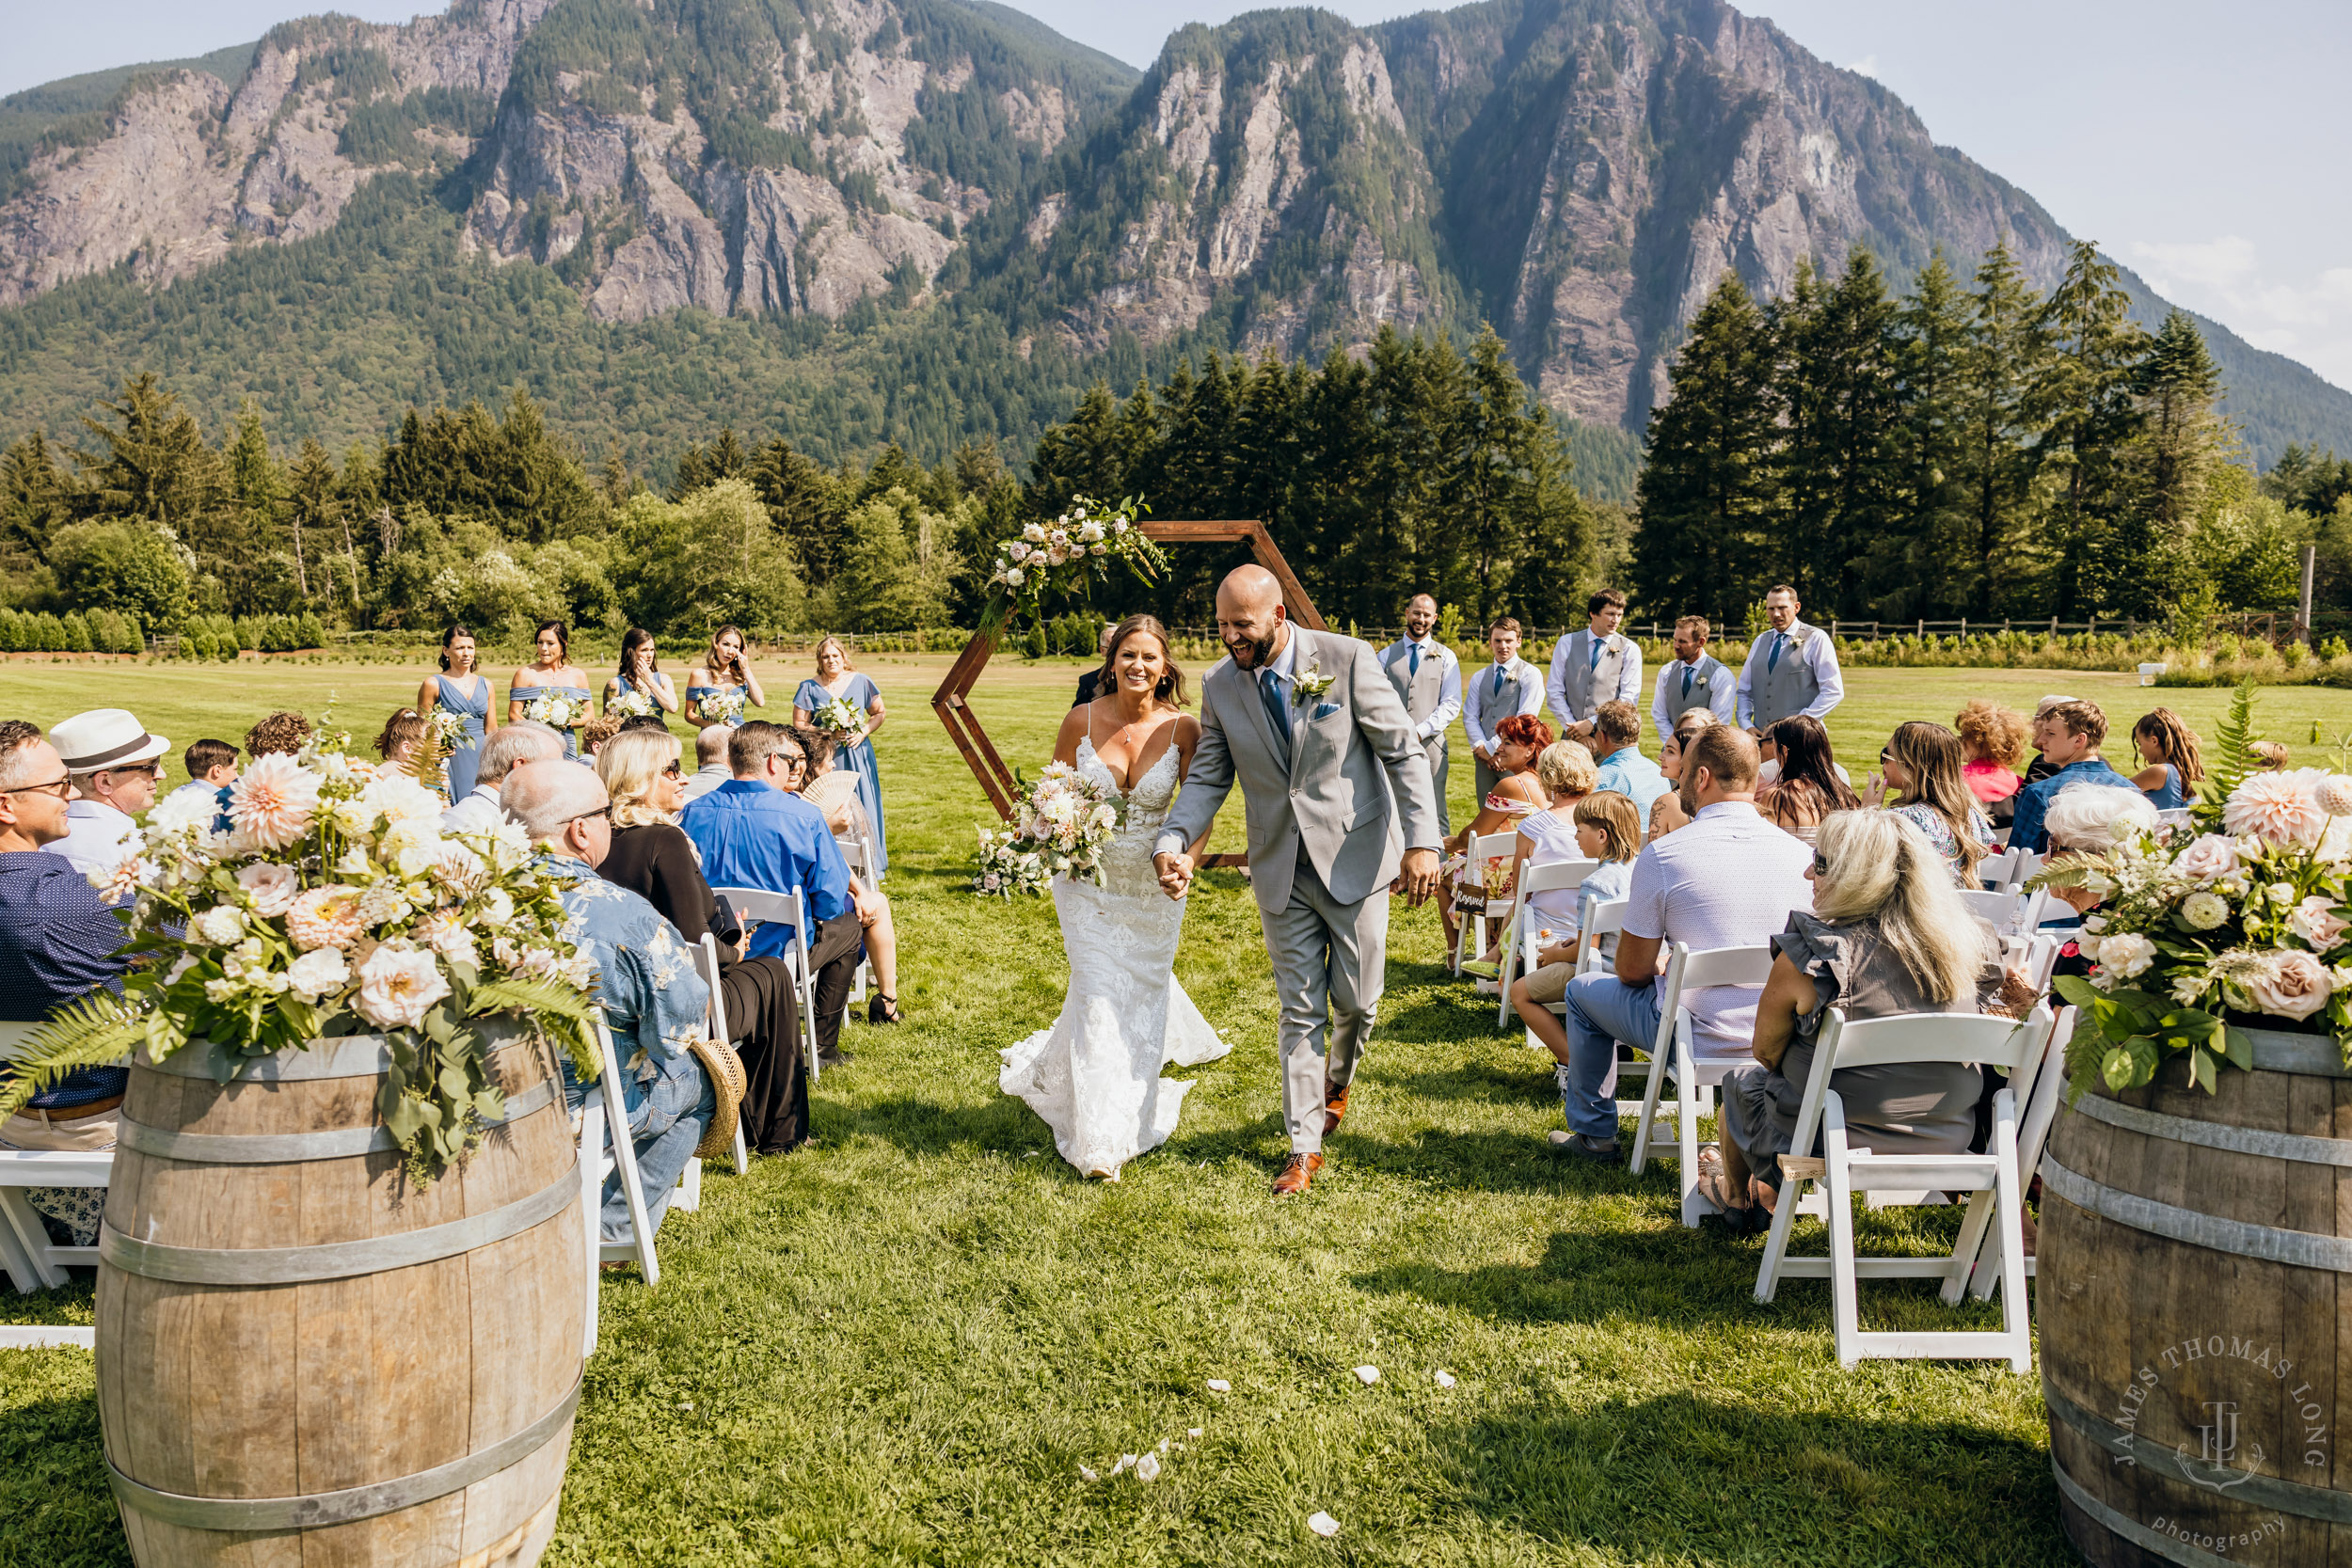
(33, 500)
(2177, 385)
(1917, 561)
(1843, 388)
(2084, 406)
(156, 463)
(313, 502)
(2004, 361)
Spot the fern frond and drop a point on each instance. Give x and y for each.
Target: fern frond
(97, 1030)
(2232, 759)
(563, 1012)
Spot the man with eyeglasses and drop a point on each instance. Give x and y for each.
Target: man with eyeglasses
(116, 766)
(58, 943)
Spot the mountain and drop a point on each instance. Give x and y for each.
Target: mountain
(855, 220)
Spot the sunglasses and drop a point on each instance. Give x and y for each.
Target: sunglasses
(673, 771)
(602, 814)
(1821, 867)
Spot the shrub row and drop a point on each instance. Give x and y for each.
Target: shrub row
(99, 631)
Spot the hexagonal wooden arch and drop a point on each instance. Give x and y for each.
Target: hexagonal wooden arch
(951, 701)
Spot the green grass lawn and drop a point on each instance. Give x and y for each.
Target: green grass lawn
(900, 1344)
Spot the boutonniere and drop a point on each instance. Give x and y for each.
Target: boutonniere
(1309, 684)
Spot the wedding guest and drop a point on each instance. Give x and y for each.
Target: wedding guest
(1428, 677)
(212, 767)
(1995, 740)
(1693, 679)
(283, 734)
(654, 1001)
(721, 686)
(754, 833)
(1566, 772)
(1507, 688)
(652, 857)
(115, 765)
(2041, 767)
(509, 747)
(1790, 671)
(710, 761)
(1922, 762)
(1606, 830)
(462, 688)
(1616, 730)
(397, 743)
(639, 676)
(1887, 933)
(854, 750)
(2270, 755)
(1810, 784)
(1672, 809)
(1597, 665)
(59, 941)
(1729, 879)
(836, 794)
(1090, 683)
(596, 732)
(555, 680)
(2168, 747)
(1520, 742)
(2069, 736)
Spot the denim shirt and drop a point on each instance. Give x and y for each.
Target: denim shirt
(2033, 801)
(654, 1001)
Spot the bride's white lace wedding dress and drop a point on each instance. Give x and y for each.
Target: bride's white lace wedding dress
(1095, 1075)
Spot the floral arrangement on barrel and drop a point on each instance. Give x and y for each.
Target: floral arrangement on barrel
(1060, 827)
(333, 905)
(1062, 557)
(2244, 920)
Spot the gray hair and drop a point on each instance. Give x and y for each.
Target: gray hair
(2087, 816)
(544, 796)
(710, 746)
(18, 737)
(512, 745)
(1882, 867)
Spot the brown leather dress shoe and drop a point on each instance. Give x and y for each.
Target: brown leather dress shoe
(1297, 1171)
(1334, 1108)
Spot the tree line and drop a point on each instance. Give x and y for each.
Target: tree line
(1973, 450)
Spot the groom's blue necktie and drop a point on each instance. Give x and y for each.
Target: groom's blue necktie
(1277, 707)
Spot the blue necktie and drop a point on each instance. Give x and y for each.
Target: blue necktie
(1772, 661)
(1277, 707)
(1688, 670)
(1412, 654)
(1498, 680)
(1596, 663)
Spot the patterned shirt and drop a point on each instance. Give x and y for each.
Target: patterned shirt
(645, 973)
(57, 941)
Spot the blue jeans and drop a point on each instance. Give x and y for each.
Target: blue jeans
(1602, 1010)
(667, 1117)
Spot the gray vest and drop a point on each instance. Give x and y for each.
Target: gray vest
(1787, 688)
(1420, 689)
(1581, 677)
(1702, 692)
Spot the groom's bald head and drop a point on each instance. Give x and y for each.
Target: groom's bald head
(1250, 616)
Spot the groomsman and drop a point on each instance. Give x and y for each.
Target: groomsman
(1693, 678)
(1429, 679)
(1791, 669)
(1598, 665)
(1510, 686)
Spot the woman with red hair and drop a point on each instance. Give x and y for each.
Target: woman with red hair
(1519, 741)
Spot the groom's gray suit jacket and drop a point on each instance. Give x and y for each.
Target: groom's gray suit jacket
(1355, 792)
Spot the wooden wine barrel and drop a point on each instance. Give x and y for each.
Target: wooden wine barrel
(2194, 1292)
(304, 1359)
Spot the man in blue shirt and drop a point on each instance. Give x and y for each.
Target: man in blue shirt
(654, 1003)
(753, 831)
(2068, 736)
(58, 941)
(1616, 726)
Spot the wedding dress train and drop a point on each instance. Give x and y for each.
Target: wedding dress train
(1094, 1076)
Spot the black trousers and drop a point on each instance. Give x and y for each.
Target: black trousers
(834, 955)
(764, 1015)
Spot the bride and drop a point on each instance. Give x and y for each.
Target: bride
(1095, 1075)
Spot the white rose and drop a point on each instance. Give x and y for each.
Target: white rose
(220, 925)
(397, 988)
(180, 810)
(1016, 577)
(496, 907)
(2212, 855)
(2126, 954)
(320, 971)
(1091, 531)
(2204, 910)
(1034, 533)
(1118, 525)
(1019, 551)
(2281, 893)
(272, 887)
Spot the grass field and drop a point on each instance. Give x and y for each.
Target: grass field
(899, 1345)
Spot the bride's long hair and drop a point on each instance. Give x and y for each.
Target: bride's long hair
(1171, 687)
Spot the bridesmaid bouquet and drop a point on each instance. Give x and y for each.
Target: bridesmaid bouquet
(632, 705)
(1060, 827)
(838, 714)
(447, 730)
(557, 713)
(726, 707)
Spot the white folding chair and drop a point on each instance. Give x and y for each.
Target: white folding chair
(707, 965)
(1603, 917)
(605, 1147)
(859, 856)
(1841, 1171)
(1483, 847)
(1519, 954)
(2033, 955)
(32, 1261)
(1696, 1077)
(1997, 907)
(2041, 1097)
(1996, 873)
(756, 906)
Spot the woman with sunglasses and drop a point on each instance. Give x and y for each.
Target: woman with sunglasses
(652, 857)
(1923, 763)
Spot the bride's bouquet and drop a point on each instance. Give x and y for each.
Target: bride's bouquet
(557, 713)
(838, 714)
(1060, 827)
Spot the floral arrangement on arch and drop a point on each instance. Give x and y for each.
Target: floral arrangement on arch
(1060, 827)
(1063, 558)
(2245, 922)
(331, 904)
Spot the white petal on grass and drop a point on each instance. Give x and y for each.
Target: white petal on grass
(1085, 1474)
(1148, 1467)
(1444, 1379)
(1124, 1460)
(1192, 1432)
(1368, 1374)
(1218, 1386)
(1560, 1137)
(1163, 1445)
(1322, 1523)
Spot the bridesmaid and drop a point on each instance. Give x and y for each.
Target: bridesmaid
(639, 674)
(462, 688)
(552, 674)
(723, 669)
(854, 751)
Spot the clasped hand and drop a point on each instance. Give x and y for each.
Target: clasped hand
(1175, 869)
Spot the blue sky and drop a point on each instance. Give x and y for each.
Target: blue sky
(2200, 143)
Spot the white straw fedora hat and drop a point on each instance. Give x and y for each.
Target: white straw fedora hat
(104, 738)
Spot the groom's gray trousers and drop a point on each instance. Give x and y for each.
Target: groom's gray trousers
(1329, 960)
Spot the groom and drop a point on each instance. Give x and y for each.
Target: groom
(1310, 723)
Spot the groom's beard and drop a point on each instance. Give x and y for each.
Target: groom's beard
(1260, 651)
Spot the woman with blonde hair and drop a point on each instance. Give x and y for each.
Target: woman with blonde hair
(1888, 933)
(652, 857)
(836, 679)
(1922, 762)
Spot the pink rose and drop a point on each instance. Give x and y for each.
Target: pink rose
(2295, 985)
(2208, 857)
(272, 887)
(2315, 920)
(397, 988)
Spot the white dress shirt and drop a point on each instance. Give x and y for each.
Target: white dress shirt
(1484, 707)
(97, 835)
(1449, 686)
(1721, 692)
(702, 781)
(1817, 651)
(1579, 644)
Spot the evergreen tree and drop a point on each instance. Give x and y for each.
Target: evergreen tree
(1839, 364)
(34, 501)
(2001, 366)
(314, 502)
(2085, 406)
(2176, 385)
(155, 463)
(1916, 562)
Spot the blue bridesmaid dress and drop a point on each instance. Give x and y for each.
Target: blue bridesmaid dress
(466, 759)
(858, 759)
